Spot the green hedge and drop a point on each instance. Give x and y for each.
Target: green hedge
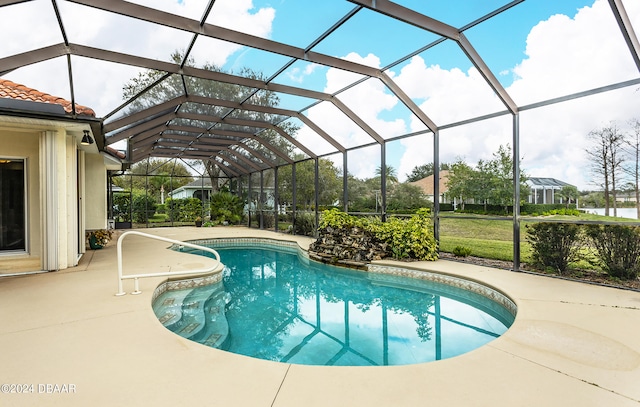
(525, 209)
(444, 207)
(617, 247)
(184, 210)
(554, 245)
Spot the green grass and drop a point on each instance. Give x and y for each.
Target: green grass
(486, 248)
(485, 236)
(159, 218)
(492, 238)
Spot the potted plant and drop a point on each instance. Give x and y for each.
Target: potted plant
(99, 238)
(198, 221)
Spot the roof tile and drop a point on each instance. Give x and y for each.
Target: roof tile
(12, 90)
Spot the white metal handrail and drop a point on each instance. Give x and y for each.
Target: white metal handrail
(160, 274)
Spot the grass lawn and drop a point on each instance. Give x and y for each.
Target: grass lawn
(487, 236)
(491, 237)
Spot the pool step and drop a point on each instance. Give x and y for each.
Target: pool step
(197, 314)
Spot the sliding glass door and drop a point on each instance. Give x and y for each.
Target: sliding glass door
(12, 205)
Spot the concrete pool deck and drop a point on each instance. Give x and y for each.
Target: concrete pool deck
(67, 336)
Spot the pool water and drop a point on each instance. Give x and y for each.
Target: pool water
(274, 304)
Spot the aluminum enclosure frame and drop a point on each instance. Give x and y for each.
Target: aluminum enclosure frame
(159, 131)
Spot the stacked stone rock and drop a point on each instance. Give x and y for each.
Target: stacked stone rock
(351, 247)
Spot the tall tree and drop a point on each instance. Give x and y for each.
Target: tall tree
(177, 85)
(500, 171)
(155, 175)
(422, 171)
(569, 193)
(490, 182)
(632, 147)
(328, 179)
(406, 197)
(389, 171)
(606, 161)
(460, 184)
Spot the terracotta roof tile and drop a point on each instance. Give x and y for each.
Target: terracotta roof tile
(12, 90)
(115, 153)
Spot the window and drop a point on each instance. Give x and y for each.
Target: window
(12, 205)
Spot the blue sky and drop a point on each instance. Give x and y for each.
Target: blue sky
(538, 49)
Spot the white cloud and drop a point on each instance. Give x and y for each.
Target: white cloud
(298, 75)
(367, 100)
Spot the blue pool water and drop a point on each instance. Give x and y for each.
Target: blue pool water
(273, 304)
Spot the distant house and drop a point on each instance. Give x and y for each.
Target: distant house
(426, 184)
(543, 190)
(200, 188)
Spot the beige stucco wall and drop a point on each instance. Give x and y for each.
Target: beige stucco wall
(95, 199)
(20, 143)
(77, 187)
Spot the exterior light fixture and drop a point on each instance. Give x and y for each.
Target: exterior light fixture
(86, 139)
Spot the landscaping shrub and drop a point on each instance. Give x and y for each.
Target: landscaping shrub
(144, 207)
(304, 223)
(530, 209)
(337, 219)
(461, 251)
(413, 238)
(554, 245)
(446, 207)
(226, 207)
(268, 219)
(184, 210)
(122, 207)
(563, 211)
(618, 249)
(161, 208)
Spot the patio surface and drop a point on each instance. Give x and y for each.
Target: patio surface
(572, 344)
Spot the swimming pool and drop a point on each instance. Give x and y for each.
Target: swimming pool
(273, 303)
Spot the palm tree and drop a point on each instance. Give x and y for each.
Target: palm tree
(390, 173)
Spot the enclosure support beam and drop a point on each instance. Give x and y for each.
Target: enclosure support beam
(436, 186)
(345, 183)
(627, 29)
(260, 202)
(294, 196)
(276, 199)
(316, 188)
(249, 197)
(516, 192)
(383, 181)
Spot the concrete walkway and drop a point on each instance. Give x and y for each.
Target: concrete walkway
(73, 343)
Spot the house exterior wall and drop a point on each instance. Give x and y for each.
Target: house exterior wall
(188, 192)
(66, 192)
(18, 143)
(181, 194)
(95, 197)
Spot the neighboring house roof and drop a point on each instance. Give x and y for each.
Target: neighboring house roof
(426, 184)
(199, 183)
(15, 91)
(546, 183)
